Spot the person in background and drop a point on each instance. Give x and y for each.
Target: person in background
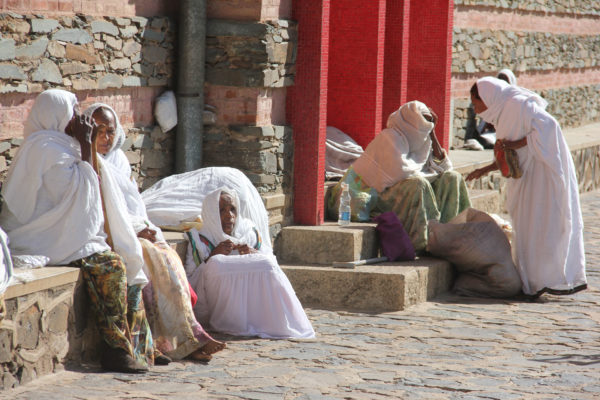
(544, 202)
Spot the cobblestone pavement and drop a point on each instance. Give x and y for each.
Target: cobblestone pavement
(451, 348)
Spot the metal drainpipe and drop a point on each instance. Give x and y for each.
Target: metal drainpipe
(190, 85)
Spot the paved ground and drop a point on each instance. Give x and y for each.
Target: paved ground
(453, 348)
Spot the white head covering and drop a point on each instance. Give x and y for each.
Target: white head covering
(51, 111)
(212, 228)
(512, 79)
(506, 101)
(399, 151)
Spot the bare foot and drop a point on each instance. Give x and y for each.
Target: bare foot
(212, 347)
(198, 355)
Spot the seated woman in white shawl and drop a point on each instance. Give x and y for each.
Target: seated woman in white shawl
(544, 201)
(53, 207)
(175, 330)
(405, 170)
(241, 288)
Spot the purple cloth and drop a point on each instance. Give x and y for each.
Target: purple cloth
(395, 242)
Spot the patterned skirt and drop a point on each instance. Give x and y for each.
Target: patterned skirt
(118, 308)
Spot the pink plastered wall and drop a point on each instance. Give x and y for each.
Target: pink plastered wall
(249, 10)
(134, 107)
(118, 8)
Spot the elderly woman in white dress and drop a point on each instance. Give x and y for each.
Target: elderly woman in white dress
(405, 170)
(544, 201)
(176, 331)
(241, 289)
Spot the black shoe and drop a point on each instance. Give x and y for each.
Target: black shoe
(118, 360)
(161, 359)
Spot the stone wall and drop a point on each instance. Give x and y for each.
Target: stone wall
(553, 47)
(34, 334)
(249, 65)
(123, 61)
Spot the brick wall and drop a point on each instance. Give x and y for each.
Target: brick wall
(552, 47)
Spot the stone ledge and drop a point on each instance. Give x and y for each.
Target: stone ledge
(43, 278)
(372, 288)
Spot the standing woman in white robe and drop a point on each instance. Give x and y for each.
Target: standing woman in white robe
(241, 288)
(544, 202)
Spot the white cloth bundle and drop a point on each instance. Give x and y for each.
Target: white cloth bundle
(340, 152)
(179, 198)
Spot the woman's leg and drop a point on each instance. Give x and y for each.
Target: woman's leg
(452, 195)
(413, 201)
(141, 336)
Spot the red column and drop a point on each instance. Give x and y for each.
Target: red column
(395, 73)
(430, 59)
(356, 54)
(306, 108)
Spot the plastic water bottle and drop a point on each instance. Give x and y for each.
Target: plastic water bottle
(344, 211)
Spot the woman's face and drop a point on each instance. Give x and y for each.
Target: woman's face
(228, 213)
(478, 105)
(107, 128)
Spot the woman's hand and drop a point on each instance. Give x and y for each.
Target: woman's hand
(148, 234)
(84, 130)
(245, 249)
(478, 173)
(224, 248)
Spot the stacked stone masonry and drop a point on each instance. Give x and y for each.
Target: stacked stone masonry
(480, 52)
(83, 53)
(242, 55)
(554, 6)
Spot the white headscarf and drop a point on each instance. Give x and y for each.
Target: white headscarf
(505, 106)
(512, 79)
(51, 111)
(212, 228)
(119, 134)
(399, 151)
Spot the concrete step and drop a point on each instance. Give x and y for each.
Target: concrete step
(326, 243)
(390, 286)
(486, 200)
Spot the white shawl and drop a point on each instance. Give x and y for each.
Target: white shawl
(68, 225)
(401, 150)
(512, 79)
(544, 202)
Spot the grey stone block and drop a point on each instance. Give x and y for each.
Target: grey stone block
(74, 67)
(120, 64)
(47, 72)
(152, 35)
(45, 25)
(101, 26)
(133, 81)
(131, 47)
(76, 36)
(110, 81)
(7, 49)
(35, 49)
(154, 54)
(140, 21)
(10, 71)
(217, 27)
(129, 31)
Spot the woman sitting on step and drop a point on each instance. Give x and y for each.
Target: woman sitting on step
(175, 330)
(241, 288)
(405, 170)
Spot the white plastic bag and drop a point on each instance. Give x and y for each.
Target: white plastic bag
(478, 247)
(165, 111)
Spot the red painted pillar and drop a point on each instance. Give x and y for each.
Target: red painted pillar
(356, 54)
(395, 72)
(430, 59)
(306, 108)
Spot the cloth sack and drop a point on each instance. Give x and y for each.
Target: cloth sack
(507, 161)
(480, 251)
(395, 242)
